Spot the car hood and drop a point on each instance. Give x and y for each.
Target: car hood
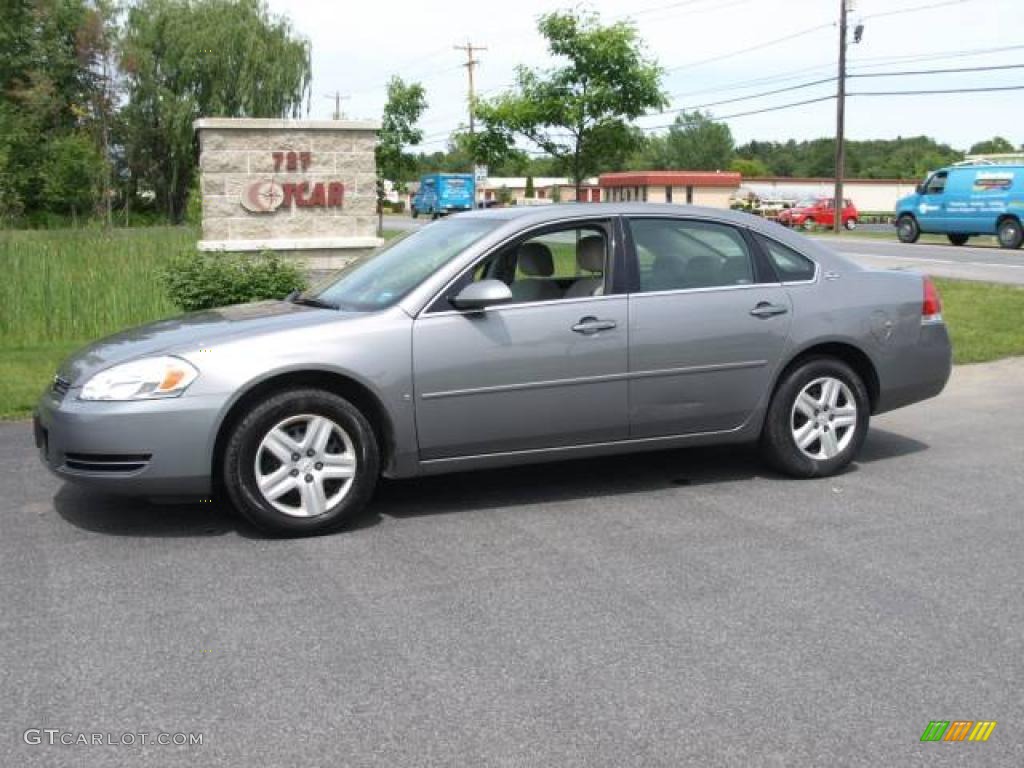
(190, 332)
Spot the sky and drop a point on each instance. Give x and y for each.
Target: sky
(712, 50)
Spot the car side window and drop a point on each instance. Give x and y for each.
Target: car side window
(936, 184)
(677, 254)
(789, 265)
(565, 263)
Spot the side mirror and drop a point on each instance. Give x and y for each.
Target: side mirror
(919, 189)
(482, 294)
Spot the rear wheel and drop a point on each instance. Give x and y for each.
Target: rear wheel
(850, 224)
(817, 420)
(1009, 233)
(301, 462)
(957, 238)
(907, 230)
(415, 213)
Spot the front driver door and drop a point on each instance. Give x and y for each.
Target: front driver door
(708, 324)
(546, 371)
(931, 207)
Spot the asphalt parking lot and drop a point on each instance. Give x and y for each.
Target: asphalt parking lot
(679, 608)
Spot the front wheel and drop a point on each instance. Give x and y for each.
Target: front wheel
(1010, 234)
(907, 230)
(817, 419)
(850, 224)
(808, 224)
(957, 238)
(301, 462)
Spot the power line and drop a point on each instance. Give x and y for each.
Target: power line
(941, 90)
(750, 112)
(952, 70)
(915, 8)
(885, 60)
(766, 44)
(749, 97)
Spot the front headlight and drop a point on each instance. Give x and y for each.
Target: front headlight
(150, 378)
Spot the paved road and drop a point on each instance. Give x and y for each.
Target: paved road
(681, 608)
(986, 262)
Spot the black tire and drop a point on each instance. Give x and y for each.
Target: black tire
(435, 216)
(907, 229)
(415, 213)
(808, 224)
(850, 224)
(957, 238)
(239, 466)
(778, 444)
(1009, 233)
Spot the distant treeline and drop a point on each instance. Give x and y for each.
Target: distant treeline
(697, 142)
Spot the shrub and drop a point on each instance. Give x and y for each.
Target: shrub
(204, 280)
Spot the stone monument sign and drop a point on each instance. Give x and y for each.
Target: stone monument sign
(303, 188)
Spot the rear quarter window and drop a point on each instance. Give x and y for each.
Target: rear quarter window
(789, 265)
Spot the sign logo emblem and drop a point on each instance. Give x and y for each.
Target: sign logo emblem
(262, 196)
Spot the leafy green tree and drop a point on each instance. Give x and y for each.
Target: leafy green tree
(529, 192)
(406, 102)
(185, 59)
(44, 83)
(994, 146)
(695, 142)
(73, 173)
(748, 169)
(579, 112)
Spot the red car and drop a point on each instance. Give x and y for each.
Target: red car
(818, 212)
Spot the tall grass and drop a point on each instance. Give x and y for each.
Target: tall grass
(62, 285)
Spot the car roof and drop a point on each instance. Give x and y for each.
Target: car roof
(539, 214)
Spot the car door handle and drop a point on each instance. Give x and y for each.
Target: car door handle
(589, 325)
(767, 309)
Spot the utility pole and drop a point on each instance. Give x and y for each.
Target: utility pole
(840, 121)
(338, 98)
(470, 64)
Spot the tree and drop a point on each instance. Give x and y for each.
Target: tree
(696, 142)
(405, 104)
(73, 173)
(748, 169)
(529, 192)
(578, 112)
(185, 59)
(44, 83)
(997, 145)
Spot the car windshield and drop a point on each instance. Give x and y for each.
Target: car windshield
(807, 202)
(383, 277)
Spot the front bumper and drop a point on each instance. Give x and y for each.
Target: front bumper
(145, 448)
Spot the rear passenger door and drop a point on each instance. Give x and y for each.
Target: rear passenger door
(708, 323)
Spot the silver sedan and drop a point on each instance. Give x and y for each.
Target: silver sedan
(502, 337)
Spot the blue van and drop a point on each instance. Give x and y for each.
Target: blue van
(442, 193)
(970, 198)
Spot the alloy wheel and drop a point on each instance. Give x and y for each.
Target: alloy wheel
(823, 419)
(305, 465)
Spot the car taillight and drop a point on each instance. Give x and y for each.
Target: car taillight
(931, 307)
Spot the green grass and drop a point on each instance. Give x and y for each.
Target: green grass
(61, 289)
(986, 321)
(81, 284)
